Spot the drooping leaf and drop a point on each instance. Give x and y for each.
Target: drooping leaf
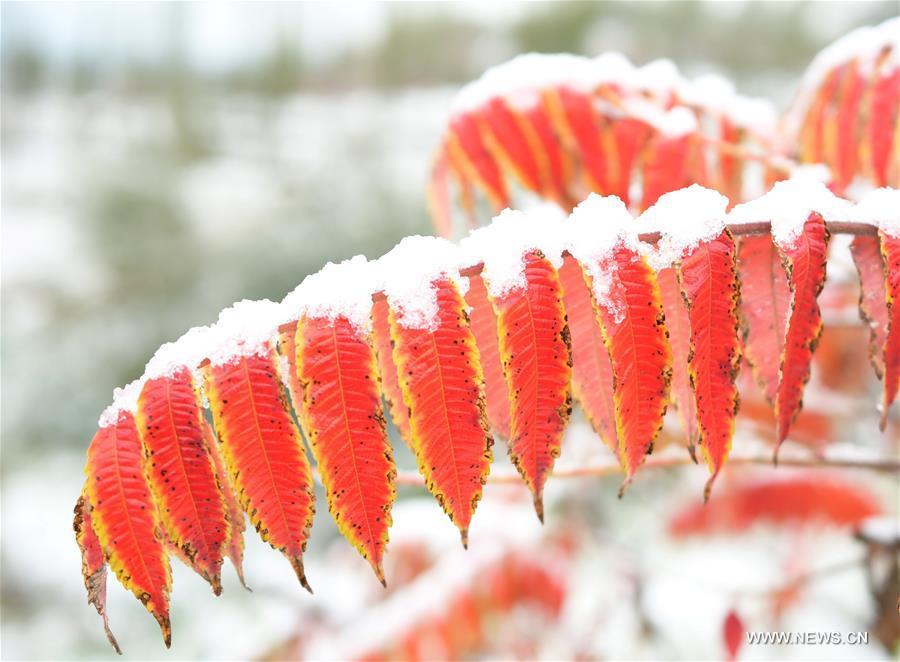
(287, 352)
(125, 517)
(801, 499)
(665, 166)
(592, 378)
(466, 144)
(181, 473)
(263, 451)
(805, 261)
(813, 129)
(846, 127)
(709, 283)
(483, 322)
(345, 426)
(678, 323)
(234, 547)
(890, 251)
(733, 630)
(628, 138)
(884, 118)
(631, 316)
(513, 141)
(577, 118)
(873, 310)
(387, 369)
(537, 364)
(439, 195)
(765, 304)
(558, 164)
(93, 563)
(443, 387)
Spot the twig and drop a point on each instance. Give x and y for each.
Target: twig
(508, 477)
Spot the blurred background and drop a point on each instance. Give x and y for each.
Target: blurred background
(160, 161)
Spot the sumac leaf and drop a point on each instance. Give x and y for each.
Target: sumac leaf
(470, 152)
(181, 473)
(234, 548)
(890, 250)
(552, 156)
(882, 127)
(125, 517)
(576, 118)
(805, 261)
(263, 451)
(536, 355)
(765, 304)
(390, 382)
(873, 310)
(678, 323)
(483, 322)
(665, 166)
(443, 386)
(634, 331)
(710, 287)
(93, 564)
(592, 379)
(344, 423)
(513, 140)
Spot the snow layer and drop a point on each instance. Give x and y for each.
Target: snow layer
(788, 205)
(880, 207)
(684, 218)
(245, 329)
(520, 79)
(502, 245)
(338, 290)
(407, 274)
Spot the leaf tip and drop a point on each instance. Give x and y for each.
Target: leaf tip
(166, 626)
(707, 490)
(297, 565)
(539, 506)
(464, 537)
(624, 485)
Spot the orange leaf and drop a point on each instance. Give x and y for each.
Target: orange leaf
(390, 383)
(558, 167)
(467, 145)
(443, 386)
(805, 262)
(846, 126)
(483, 322)
(765, 303)
(537, 364)
(93, 563)
(709, 283)
(890, 250)
(263, 452)
(234, 548)
(798, 499)
(439, 195)
(576, 118)
(125, 517)
(629, 136)
(813, 129)
(873, 308)
(665, 166)
(344, 423)
(513, 145)
(882, 126)
(181, 473)
(678, 322)
(592, 379)
(634, 331)
(288, 353)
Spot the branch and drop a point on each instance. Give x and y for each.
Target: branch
(508, 477)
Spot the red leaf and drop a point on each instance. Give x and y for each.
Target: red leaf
(812, 131)
(125, 517)
(846, 121)
(883, 118)
(181, 473)
(344, 423)
(873, 310)
(387, 369)
(805, 261)
(798, 499)
(665, 166)
(709, 283)
(443, 387)
(733, 631)
(473, 156)
(93, 563)
(634, 332)
(678, 323)
(439, 196)
(592, 379)
(263, 452)
(629, 137)
(537, 364)
(765, 303)
(557, 165)
(890, 250)
(576, 118)
(483, 322)
(234, 548)
(514, 145)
